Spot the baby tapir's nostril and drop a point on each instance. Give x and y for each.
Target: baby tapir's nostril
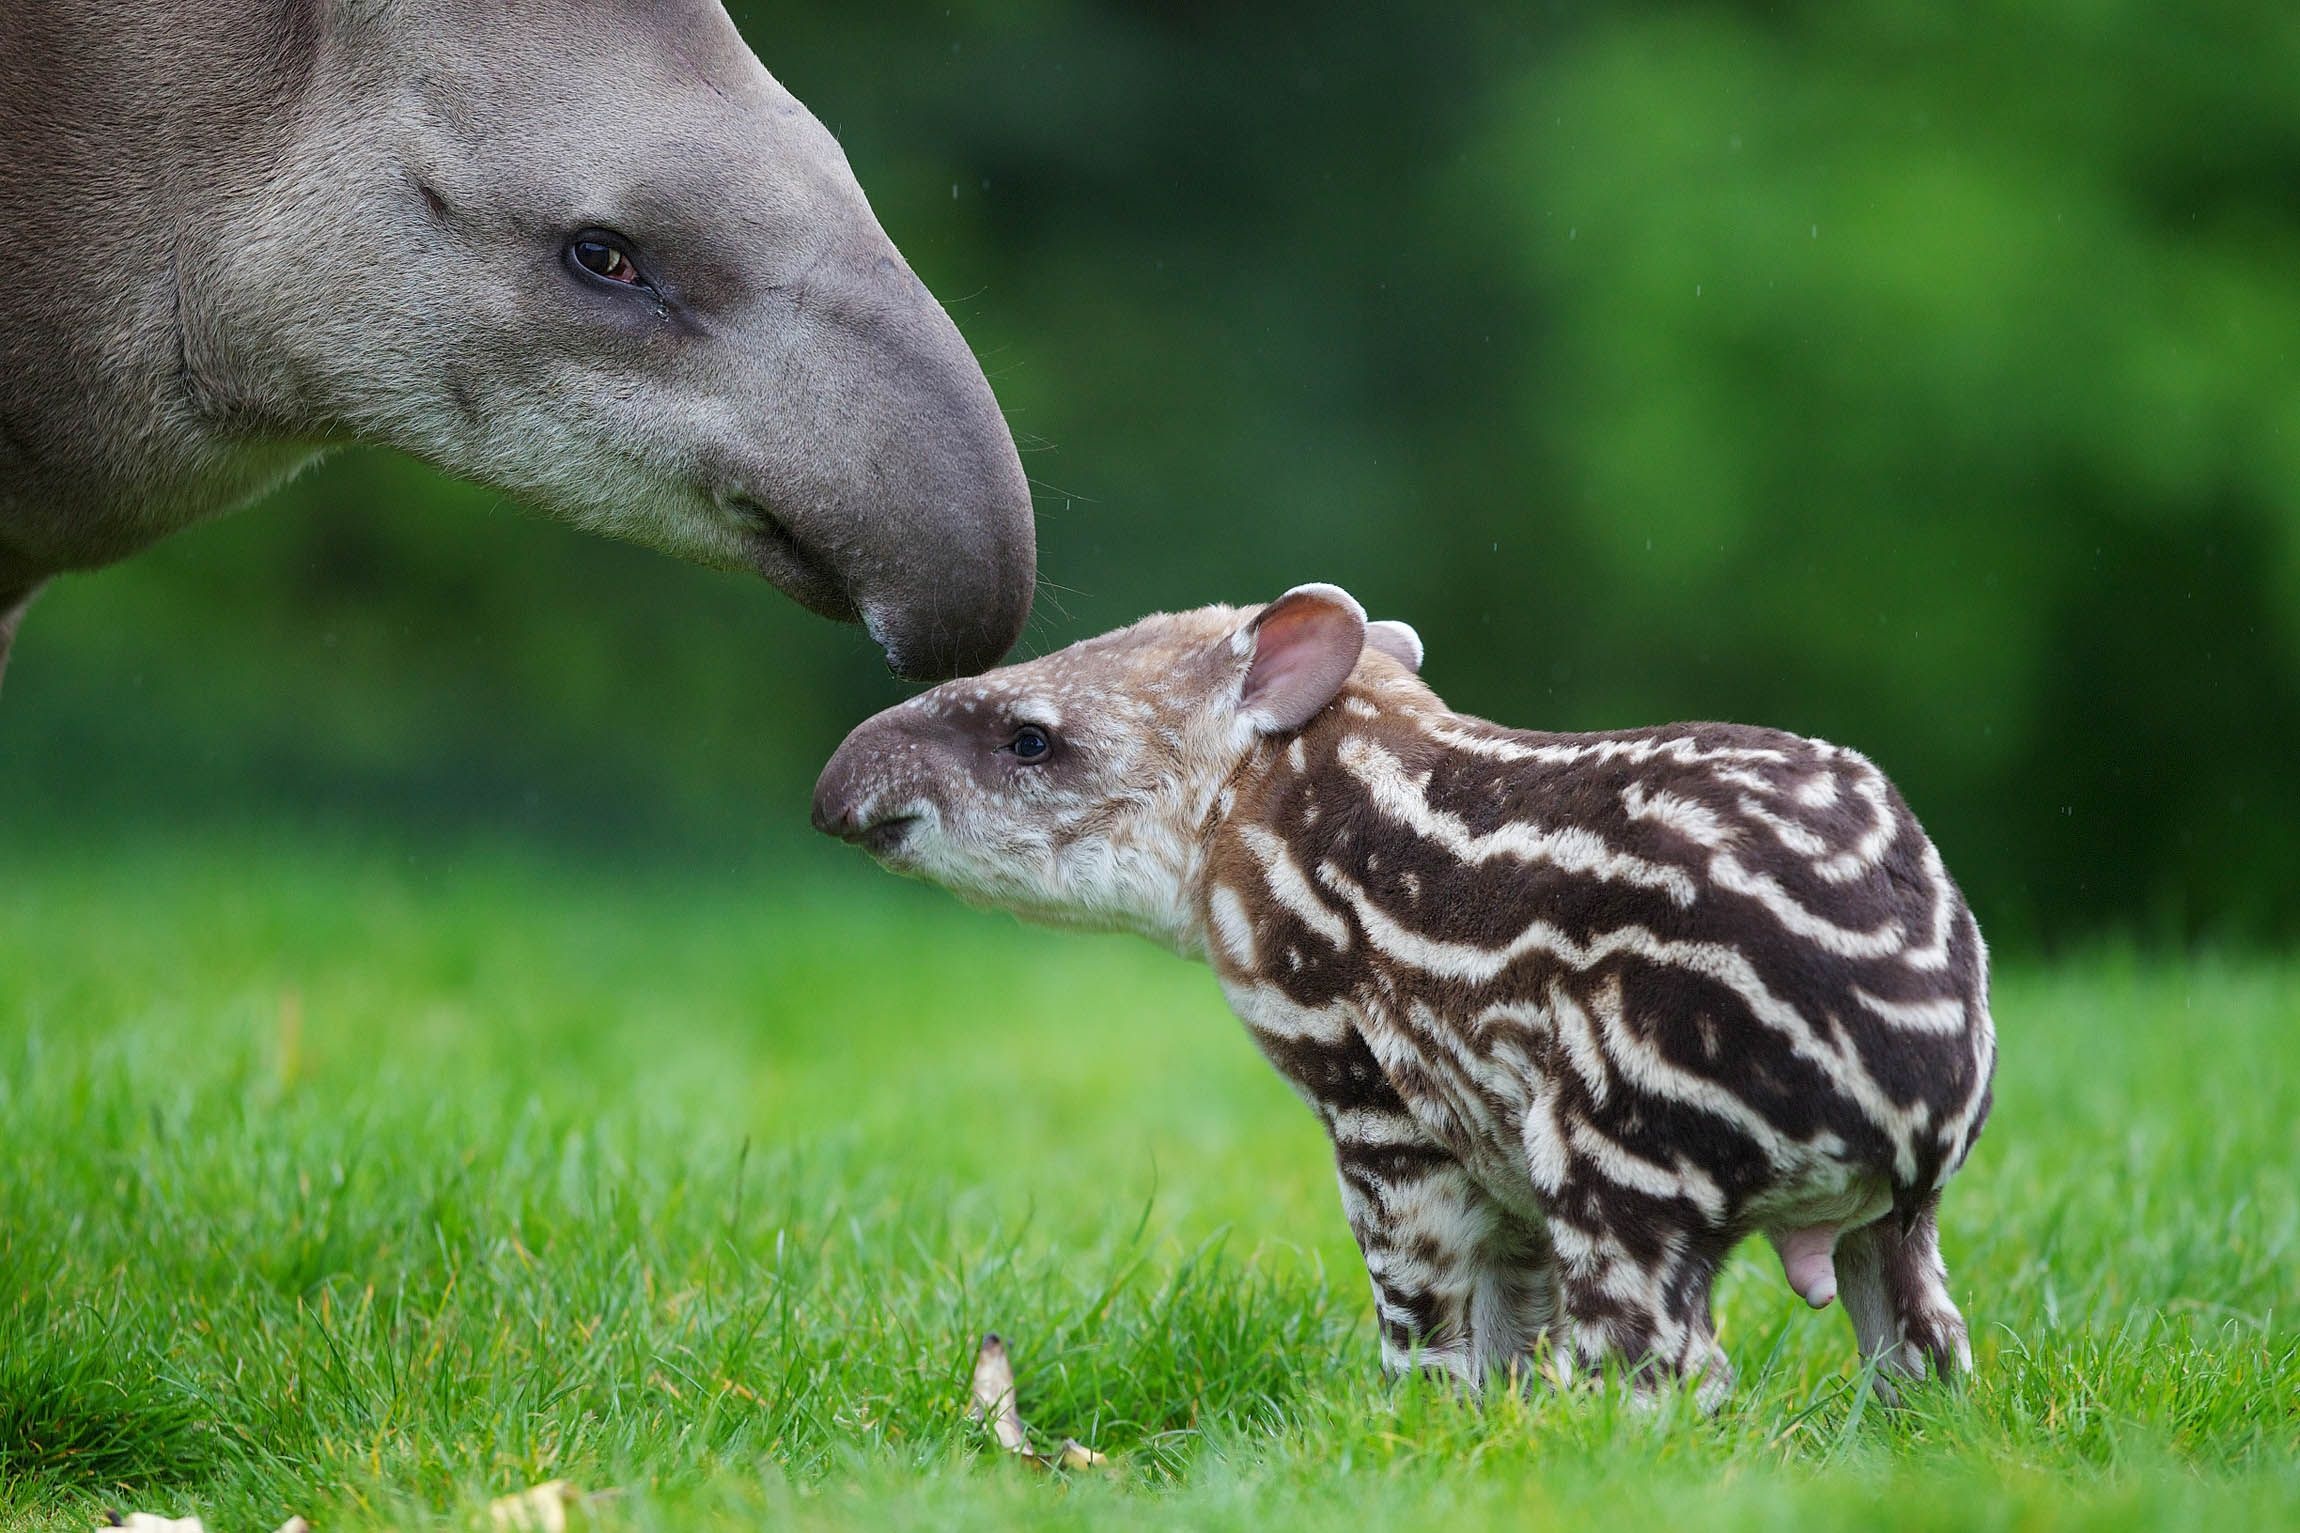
(853, 800)
(835, 798)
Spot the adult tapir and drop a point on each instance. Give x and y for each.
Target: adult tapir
(587, 252)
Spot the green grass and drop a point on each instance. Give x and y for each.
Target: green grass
(704, 1186)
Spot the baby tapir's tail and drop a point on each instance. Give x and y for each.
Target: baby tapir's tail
(1895, 1288)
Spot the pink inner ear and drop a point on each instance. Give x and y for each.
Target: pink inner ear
(1304, 650)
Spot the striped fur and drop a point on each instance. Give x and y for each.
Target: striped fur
(1578, 1011)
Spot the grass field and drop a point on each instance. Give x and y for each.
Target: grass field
(370, 1185)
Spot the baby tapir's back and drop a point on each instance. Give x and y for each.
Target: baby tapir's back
(1727, 954)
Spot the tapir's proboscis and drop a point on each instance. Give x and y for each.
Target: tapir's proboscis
(586, 252)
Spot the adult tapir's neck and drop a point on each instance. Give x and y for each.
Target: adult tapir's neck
(128, 126)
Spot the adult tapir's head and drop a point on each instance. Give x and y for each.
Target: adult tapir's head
(591, 253)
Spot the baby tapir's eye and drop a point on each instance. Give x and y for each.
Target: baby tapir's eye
(1030, 743)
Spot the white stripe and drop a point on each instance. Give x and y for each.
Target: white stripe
(1544, 1139)
(1233, 928)
(1728, 874)
(1645, 1067)
(1625, 1169)
(1266, 1010)
(1935, 953)
(1742, 777)
(1403, 796)
(1603, 748)
(1368, 1128)
(1697, 823)
(1788, 832)
(1724, 965)
(1847, 866)
(1940, 1016)
(1290, 888)
(1579, 1036)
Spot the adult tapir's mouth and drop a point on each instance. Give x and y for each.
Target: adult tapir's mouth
(792, 567)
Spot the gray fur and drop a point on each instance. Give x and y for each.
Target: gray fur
(241, 232)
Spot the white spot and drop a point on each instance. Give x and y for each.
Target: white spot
(1818, 791)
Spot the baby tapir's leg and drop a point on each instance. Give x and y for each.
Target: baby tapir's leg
(1638, 1297)
(1895, 1288)
(1461, 1284)
(1638, 1247)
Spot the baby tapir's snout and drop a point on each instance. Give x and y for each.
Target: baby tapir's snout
(873, 784)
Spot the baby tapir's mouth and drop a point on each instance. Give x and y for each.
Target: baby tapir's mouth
(885, 838)
(853, 799)
(880, 835)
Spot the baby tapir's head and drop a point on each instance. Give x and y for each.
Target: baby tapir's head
(1077, 788)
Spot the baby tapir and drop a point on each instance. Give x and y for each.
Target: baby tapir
(1579, 1011)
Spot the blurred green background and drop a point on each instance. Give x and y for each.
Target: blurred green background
(1927, 378)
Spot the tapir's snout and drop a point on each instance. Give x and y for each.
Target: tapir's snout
(838, 805)
(857, 797)
(895, 492)
(945, 587)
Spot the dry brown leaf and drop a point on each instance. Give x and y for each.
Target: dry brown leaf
(146, 1522)
(994, 1396)
(992, 1400)
(537, 1509)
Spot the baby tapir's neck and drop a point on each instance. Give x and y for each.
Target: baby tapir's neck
(1309, 819)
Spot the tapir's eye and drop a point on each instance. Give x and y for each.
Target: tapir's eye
(1030, 743)
(603, 256)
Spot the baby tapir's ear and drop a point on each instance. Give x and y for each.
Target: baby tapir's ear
(1304, 646)
(1396, 640)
